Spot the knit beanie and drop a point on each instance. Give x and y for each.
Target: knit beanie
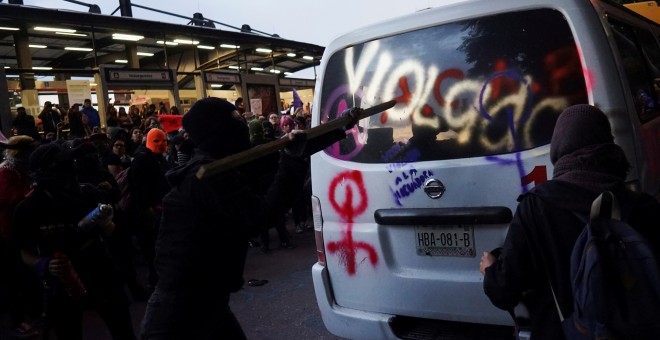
(579, 126)
(152, 136)
(50, 163)
(256, 131)
(213, 128)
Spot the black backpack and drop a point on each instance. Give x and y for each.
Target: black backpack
(615, 279)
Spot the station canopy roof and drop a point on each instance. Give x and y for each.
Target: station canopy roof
(63, 41)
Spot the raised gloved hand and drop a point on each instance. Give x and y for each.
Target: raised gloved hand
(354, 114)
(297, 143)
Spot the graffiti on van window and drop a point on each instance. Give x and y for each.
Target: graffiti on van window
(407, 182)
(348, 197)
(445, 113)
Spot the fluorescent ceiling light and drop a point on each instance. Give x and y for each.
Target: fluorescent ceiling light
(42, 68)
(12, 76)
(275, 71)
(145, 54)
(257, 69)
(291, 55)
(73, 34)
(308, 57)
(229, 46)
(216, 85)
(84, 49)
(186, 42)
(234, 67)
(9, 28)
(37, 46)
(161, 42)
(54, 29)
(6, 67)
(121, 61)
(287, 73)
(129, 37)
(264, 50)
(205, 47)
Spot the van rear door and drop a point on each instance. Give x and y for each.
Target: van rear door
(413, 196)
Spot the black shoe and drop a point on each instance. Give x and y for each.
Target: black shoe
(256, 283)
(265, 250)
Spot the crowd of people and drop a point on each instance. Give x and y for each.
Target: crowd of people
(51, 182)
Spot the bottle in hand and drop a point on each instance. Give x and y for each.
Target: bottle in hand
(70, 279)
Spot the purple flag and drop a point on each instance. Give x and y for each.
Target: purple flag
(296, 100)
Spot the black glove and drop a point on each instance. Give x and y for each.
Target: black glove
(296, 147)
(353, 113)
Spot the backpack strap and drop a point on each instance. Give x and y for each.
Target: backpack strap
(606, 205)
(538, 269)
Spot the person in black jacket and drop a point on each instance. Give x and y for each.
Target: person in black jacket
(148, 186)
(586, 163)
(24, 124)
(54, 246)
(203, 238)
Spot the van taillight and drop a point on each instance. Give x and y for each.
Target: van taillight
(317, 217)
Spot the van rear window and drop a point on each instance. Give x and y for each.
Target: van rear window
(480, 87)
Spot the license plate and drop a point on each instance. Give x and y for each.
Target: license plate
(446, 240)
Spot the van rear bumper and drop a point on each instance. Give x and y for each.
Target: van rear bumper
(346, 322)
(357, 324)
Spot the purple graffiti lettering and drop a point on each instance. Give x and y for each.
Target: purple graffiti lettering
(413, 183)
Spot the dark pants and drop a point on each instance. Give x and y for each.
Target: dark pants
(280, 226)
(64, 315)
(121, 247)
(301, 206)
(173, 316)
(145, 226)
(20, 289)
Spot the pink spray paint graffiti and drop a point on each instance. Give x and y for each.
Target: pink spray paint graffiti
(347, 248)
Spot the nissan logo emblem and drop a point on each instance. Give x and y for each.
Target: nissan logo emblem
(434, 188)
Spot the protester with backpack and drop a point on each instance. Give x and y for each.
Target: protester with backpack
(534, 264)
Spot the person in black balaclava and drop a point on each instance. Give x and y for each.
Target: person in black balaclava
(586, 163)
(203, 238)
(46, 229)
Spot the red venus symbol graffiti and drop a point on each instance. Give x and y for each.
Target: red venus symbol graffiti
(347, 248)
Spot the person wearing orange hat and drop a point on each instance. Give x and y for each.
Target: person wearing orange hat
(157, 141)
(148, 187)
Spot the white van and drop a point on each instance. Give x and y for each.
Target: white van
(404, 207)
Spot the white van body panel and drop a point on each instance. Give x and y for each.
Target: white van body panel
(373, 272)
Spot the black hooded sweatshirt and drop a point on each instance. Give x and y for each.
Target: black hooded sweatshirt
(546, 215)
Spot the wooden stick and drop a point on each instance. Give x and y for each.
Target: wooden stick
(259, 151)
